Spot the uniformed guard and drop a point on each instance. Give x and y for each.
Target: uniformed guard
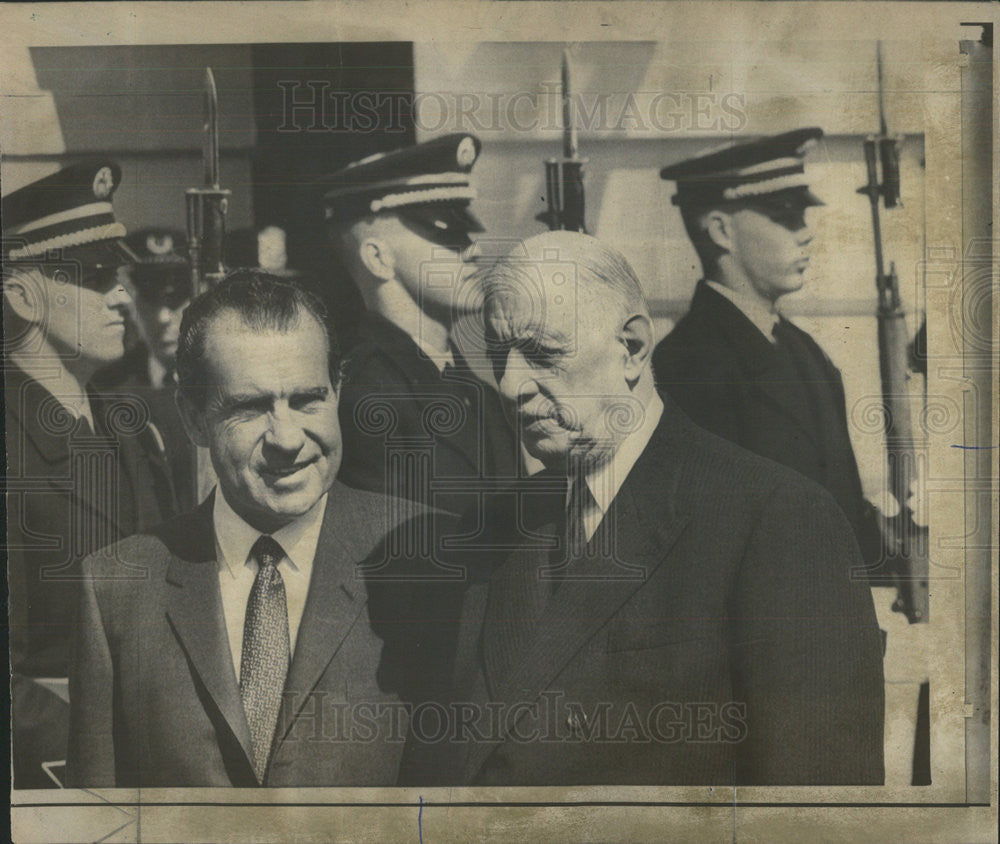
(412, 411)
(734, 364)
(82, 469)
(161, 288)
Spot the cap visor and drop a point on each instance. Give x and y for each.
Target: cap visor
(800, 197)
(443, 216)
(102, 253)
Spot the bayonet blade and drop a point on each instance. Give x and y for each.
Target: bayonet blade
(211, 151)
(569, 125)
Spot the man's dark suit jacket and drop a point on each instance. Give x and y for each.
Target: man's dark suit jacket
(395, 402)
(154, 695)
(720, 640)
(733, 381)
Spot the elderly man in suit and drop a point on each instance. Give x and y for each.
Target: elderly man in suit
(244, 651)
(679, 611)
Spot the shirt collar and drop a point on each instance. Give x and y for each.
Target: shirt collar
(438, 358)
(605, 480)
(234, 537)
(762, 317)
(157, 372)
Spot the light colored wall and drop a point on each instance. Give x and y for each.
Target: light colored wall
(663, 102)
(142, 107)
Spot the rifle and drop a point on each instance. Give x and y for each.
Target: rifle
(206, 230)
(207, 205)
(564, 176)
(908, 558)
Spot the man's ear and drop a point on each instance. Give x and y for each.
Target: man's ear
(718, 226)
(377, 257)
(192, 417)
(636, 335)
(24, 294)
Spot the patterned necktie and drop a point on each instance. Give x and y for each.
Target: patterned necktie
(577, 507)
(265, 658)
(783, 336)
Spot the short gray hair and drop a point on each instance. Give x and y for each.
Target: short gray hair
(595, 263)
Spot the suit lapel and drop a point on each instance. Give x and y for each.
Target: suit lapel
(642, 524)
(194, 607)
(336, 598)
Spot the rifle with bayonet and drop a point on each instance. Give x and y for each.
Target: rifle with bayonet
(206, 230)
(907, 542)
(564, 176)
(207, 205)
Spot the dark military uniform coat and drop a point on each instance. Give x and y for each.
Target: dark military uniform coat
(784, 402)
(69, 492)
(411, 431)
(131, 375)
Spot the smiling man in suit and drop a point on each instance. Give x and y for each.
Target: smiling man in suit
(680, 611)
(244, 652)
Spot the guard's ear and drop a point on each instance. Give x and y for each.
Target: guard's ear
(636, 335)
(719, 227)
(377, 257)
(193, 418)
(24, 294)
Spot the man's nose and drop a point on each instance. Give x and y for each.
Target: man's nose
(118, 297)
(165, 315)
(516, 382)
(284, 431)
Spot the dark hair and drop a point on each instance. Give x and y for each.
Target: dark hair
(263, 302)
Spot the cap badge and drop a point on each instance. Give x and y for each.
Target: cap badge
(104, 183)
(160, 244)
(466, 152)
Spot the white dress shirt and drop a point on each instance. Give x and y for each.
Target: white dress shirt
(606, 479)
(157, 373)
(763, 318)
(237, 569)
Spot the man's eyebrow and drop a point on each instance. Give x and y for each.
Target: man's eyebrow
(237, 400)
(542, 336)
(243, 399)
(318, 390)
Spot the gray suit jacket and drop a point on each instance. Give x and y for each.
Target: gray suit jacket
(155, 700)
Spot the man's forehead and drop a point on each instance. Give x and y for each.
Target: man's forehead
(229, 338)
(518, 313)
